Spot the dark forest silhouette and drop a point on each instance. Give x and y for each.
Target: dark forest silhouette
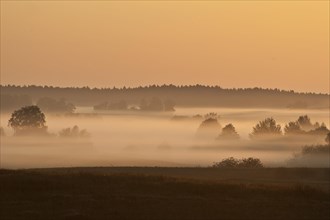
(187, 96)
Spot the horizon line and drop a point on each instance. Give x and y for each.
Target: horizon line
(163, 85)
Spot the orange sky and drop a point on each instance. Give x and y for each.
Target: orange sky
(268, 44)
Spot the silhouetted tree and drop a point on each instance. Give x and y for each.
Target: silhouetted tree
(293, 128)
(209, 128)
(305, 123)
(73, 132)
(211, 115)
(321, 131)
(28, 120)
(267, 127)
(304, 126)
(229, 133)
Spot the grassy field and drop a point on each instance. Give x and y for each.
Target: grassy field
(165, 193)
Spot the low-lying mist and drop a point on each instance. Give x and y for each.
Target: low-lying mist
(153, 139)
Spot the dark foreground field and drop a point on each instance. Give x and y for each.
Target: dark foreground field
(165, 193)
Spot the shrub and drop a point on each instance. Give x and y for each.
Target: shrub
(73, 132)
(250, 163)
(232, 162)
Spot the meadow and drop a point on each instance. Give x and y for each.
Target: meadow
(164, 193)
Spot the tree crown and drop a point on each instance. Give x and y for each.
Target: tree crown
(27, 117)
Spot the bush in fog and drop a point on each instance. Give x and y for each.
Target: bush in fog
(311, 156)
(250, 163)
(320, 131)
(209, 128)
(304, 126)
(267, 127)
(293, 128)
(28, 120)
(48, 104)
(315, 149)
(304, 122)
(327, 138)
(232, 162)
(73, 132)
(2, 132)
(210, 122)
(228, 133)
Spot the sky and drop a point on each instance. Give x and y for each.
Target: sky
(269, 44)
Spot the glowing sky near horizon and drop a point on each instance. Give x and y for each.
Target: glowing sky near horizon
(271, 44)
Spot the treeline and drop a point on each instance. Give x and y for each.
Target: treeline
(210, 128)
(155, 104)
(10, 102)
(187, 96)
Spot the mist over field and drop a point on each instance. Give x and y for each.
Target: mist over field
(164, 110)
(121, 138)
